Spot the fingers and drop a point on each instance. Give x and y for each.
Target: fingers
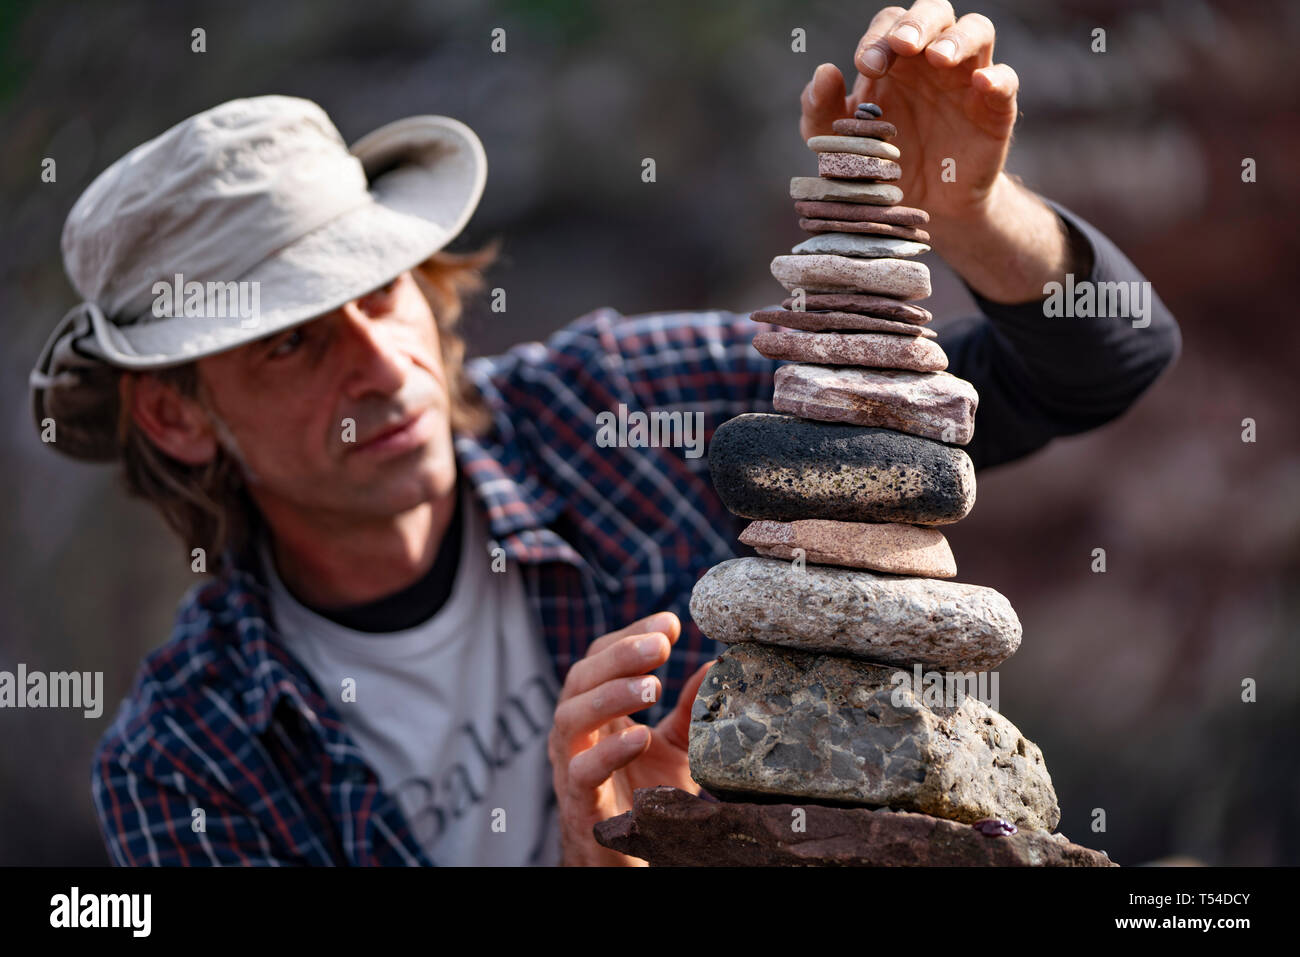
(581, 715)
(664, 622)
(590, 769)
(874, 55)
(920, 25)
(633, 655)
(822, 100)
(971, 36)
(998, 84)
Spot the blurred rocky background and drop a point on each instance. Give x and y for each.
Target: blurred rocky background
(1130, 681)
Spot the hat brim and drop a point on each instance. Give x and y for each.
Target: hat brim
(426, 176)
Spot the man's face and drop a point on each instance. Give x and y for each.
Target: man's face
(315, 410)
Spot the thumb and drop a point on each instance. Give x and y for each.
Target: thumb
(676, 726)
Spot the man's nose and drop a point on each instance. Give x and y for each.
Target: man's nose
(375, 361)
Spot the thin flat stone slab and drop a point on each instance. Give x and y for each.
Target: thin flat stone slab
(881, 306)
(870, 349)
(891, 277)
(671, 827)
(862, 246)
(879, 546)
(864, 145)
(861, 212)
(857, 166)
(844, 190)
(816, 321)
(772, 721)
(933, 405)
(876, 129)
(783, 468)
(875, 229)
(880, 618)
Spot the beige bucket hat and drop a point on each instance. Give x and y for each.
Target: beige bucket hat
(262, 205)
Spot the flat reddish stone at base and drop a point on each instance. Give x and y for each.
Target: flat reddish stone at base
(670, 827)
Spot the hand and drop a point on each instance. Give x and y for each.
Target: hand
(935, 79)
(599, 755)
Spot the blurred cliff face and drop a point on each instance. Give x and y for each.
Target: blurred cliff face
(1130, 681)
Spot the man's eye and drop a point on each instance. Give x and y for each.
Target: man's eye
(291, 341)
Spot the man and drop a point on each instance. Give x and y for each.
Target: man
(439, 601)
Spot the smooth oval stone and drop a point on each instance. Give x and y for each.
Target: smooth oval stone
(774, 721)
(883, 547)
(865, 247)
(854, 144)
(879, 229)
(848, 191)
(877, 129)
(783, 468)
(868, 349)
(850, 322)
(821, 273)
(855, 166)
(870, 108)
(880, 306)
(885, 619)
(863, 213)
(933, 405)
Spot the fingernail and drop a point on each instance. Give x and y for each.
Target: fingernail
(874, 60)
(649, 646)
(908, 34)
(643, 688)
(945, 48)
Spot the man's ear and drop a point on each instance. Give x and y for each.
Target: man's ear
(176, 424)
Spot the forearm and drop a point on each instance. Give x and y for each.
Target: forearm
(1010, 246)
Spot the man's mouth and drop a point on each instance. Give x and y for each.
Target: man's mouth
(411, 432)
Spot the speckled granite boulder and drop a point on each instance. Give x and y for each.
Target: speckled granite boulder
(822, 727)
(890, 619)
(669, 827)
(784, 468)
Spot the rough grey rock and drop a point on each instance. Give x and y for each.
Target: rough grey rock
(933, 405)
(844, 191)
(861, 245)
(784, 468)
(670, 827)
(770, 721)
(900, 278)
(863, 145)
(883, 618)
(848, 321)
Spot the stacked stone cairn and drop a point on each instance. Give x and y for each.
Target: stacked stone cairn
(815, 702)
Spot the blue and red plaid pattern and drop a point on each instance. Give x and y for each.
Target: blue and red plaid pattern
(222, 720)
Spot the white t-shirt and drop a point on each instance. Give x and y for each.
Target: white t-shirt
(453, 714)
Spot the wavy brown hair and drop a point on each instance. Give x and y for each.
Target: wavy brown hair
(208, 506)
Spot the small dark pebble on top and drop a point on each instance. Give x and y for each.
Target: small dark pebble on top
(870, 108)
